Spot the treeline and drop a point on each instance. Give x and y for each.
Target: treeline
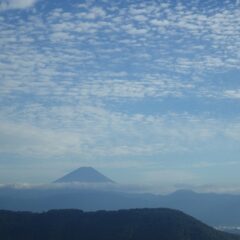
(137, 224)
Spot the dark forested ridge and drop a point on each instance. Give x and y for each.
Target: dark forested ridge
(139, 224)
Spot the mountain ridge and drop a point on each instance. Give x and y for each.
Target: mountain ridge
(133, 224)
(213, 209)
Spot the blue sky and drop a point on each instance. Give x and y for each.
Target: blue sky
(145, 91)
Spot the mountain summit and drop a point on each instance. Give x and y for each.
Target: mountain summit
(84, 175)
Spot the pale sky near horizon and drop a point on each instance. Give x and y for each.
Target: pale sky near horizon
(145, 91)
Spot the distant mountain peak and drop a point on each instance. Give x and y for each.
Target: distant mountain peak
(84, 175)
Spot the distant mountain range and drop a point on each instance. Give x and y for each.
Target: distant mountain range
(213, 209)
(144, 224)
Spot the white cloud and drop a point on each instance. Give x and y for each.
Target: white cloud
(93, 13)
(16, 4)
(233, 131)
(32, 141)
(153, 187)
(61, 37)
(86, 131)
(234, 94)
(130, 29)
(160, 23)
(140, 18)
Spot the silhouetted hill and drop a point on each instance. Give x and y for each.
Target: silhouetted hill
(144, 224)
(85, 175)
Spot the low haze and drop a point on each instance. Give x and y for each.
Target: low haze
(147, 92)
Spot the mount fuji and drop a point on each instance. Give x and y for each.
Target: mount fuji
(84, 175)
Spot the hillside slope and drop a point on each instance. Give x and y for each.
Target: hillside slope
(139, 224)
